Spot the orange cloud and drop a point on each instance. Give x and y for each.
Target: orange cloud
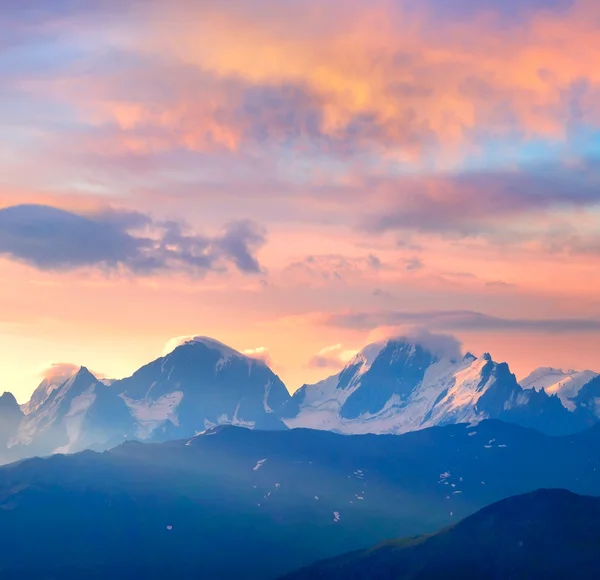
(381, 75)
(313, 118)
(414, 75)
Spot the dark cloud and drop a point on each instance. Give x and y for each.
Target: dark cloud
(278, 113)
(374, 262)
(572, 243)
(53, 239)
(444, 7)
(238, 242)
(413, 264)
(513, 10)
(462, 320)
(383, 294)
(293, 115)
(32, 21)
(28, 12)
(267, 116)
(335, 267)
(408, 245)
(463, 275)
(499, 284)
(325, 362)
(474, 203)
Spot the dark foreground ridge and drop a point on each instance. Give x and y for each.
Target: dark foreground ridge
(545, 534)
(239, 503)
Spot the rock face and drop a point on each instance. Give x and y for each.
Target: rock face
(398, 386)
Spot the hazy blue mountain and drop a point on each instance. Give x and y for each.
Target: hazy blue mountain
(587, 399)
(278, 500)
(80, 413)
(57, 376)
(200, 384)
(10, 419)
(546, 534)
(399, 386)
(564, 384)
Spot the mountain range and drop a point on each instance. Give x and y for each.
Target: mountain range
(397, 386)
(546, 534)
(278, 500)
(394, 386)
(199, 384)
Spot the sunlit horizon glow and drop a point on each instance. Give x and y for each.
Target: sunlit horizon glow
(292, 177)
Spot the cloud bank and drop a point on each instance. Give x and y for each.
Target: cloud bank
(48, 238)
(462, 320)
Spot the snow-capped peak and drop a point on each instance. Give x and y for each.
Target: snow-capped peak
(368, 355)
(216, 345)
(54, 377)
(412, 386)
(565, 384)
(70, 402)
(81, 380)
(406, 345)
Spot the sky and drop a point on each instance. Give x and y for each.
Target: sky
(297, 178)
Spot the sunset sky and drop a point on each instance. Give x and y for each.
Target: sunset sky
(297, 178)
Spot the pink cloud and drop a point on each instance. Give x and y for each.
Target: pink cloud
(263, 354)
(331, 357)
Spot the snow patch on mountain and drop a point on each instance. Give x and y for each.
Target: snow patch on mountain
(150, 415)
(259, 464)
(266, 398)
(223, 419)
(73, 420)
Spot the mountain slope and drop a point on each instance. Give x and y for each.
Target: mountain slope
(200, 384)
(279, 499)
(398, 386)
(80, 413)
(10, 419)
(57, 376)
(587, 400)
(540, 535)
